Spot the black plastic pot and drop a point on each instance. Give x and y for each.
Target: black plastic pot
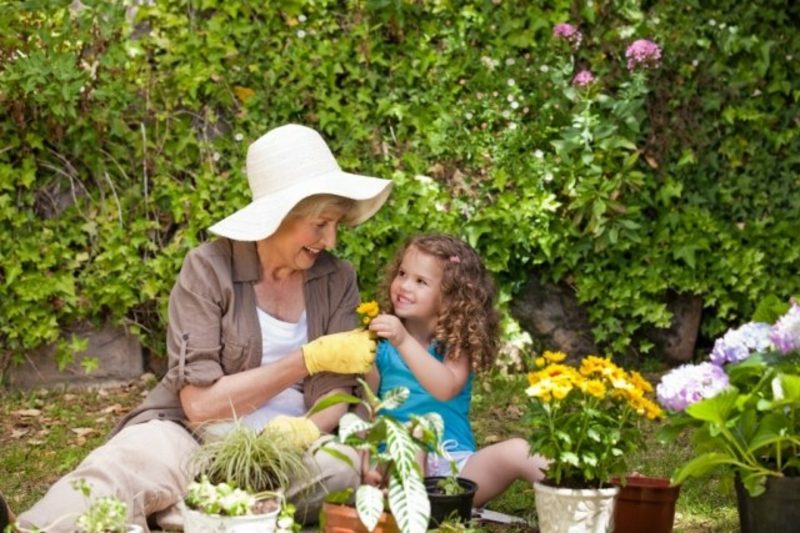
(776, 510)
(444, 506)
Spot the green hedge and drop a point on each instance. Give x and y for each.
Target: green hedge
(126, 128)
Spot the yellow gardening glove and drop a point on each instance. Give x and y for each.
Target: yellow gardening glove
(349, 352)
(298, 429)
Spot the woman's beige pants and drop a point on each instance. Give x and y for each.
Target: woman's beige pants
(145, 466)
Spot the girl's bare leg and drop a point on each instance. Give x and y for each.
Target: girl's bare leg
(495, 467)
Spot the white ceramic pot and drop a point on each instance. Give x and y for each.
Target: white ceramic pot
(197, 522)
(575, 510)
(133, 528)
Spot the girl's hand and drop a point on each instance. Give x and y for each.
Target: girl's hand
(390, 328)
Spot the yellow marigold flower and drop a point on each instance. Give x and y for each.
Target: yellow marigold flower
(541, 390)
(561, 390)
(554, 357)
(540, 362)
(369, 309)
(640, 382)
(592, 364)
(595, 388)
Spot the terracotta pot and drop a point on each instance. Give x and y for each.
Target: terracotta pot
(444, 505)
(776, 510)
(574, 510)
(645, 504)
(344, 519)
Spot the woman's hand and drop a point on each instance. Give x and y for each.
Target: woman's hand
(390, 328)
(349, 352)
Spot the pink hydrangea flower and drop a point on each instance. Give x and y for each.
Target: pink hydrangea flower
(785, 334)
(568, 32)
(688, 384)
(583, 78)
(644, 53)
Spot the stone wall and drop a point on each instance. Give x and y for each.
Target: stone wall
(119, 355)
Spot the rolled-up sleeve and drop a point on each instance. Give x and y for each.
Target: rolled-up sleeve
(194, 342)
(342, 299)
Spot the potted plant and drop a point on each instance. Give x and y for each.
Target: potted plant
(107, 514)
(742, 409)
(645, 503)
(586, 422)
(240, 480)
(450, 496)
(392, 448)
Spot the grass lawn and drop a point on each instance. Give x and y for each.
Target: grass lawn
(46, 433)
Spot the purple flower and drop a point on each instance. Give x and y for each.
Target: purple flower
(568, 32)
(688, 384)
(785, 334)
(737, 344)
(583, 78)
(643, 52)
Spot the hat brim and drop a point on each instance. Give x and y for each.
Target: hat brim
(260, 218)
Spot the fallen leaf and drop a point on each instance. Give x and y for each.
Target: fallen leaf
(116, 408)
(243, 93)
(69, 397)
(82, 432)
(17, 433)
(491, 439)
(27, 412)
(514, 411)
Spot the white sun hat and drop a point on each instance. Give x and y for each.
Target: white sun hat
(286, 165)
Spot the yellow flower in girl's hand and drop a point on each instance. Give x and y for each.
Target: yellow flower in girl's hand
(367, 311)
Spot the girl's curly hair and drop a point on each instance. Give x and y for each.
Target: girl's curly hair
(468, 324)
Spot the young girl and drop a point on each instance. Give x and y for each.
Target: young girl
(439, 325)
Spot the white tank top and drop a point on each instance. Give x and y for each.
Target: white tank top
(278, 339)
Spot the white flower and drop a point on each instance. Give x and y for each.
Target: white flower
(468, 116)
(695, 63)
(238, 137)
(423, 179)
(511, 82)
(548, 177)
(712, 22)
(506, 113)
(216, 157)
(301, 33)
(512, 125)
(544, 68)
(510, 97)
(777, 389)
(301, 18)
(514, 105)
(510, 61)
(439, 206)
(789, 57)
(538, 154)
(488, 62)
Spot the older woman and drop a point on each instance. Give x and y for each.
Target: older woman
(246, 319)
